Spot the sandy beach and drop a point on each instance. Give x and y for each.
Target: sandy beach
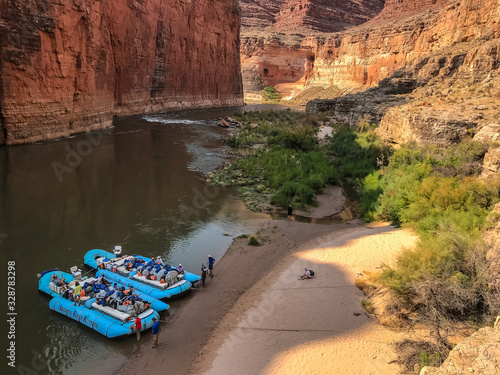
(256, 317)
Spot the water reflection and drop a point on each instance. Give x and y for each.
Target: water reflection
(138, 185)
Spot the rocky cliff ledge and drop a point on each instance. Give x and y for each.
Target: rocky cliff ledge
(447, 87)
(478, 354)
(68, 66)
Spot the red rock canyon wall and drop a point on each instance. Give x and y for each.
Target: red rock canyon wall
(68, 66)
(273, 50)
(386, 38)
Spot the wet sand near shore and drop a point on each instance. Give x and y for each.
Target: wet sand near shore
(196, 318)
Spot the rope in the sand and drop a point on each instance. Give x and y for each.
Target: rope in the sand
(309, 330)
(239, 290)
(297, 330)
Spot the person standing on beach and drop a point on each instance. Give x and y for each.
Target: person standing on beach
(138, 325)
(203, 274)
(211, 262)
(156, 332)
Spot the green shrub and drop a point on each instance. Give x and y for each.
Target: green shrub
(356, 154)
(429, 360)
(253, 241)
(290, 175)
(270, 93)
(436, 191)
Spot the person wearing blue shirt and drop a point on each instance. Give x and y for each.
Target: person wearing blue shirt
(156, 331)
(211, 262)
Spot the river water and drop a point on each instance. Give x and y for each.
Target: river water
(140, 185)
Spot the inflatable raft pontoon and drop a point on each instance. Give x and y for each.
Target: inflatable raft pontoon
(106, 320)
(49, 289)
(103, 260)
(176, 289)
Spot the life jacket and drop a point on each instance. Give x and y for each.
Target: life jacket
(162, 280)
(82, 293)
(153, 277)
(139, 273)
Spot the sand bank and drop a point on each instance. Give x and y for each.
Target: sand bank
(255, 317)
(195, 319)
(286, 326)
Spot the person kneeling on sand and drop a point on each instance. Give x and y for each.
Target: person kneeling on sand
(308, 275)
(203, 274)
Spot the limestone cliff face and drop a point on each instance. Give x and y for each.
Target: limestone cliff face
(399, 8)
(68, 66)
(478, 354)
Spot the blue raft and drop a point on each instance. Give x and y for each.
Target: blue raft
(44, 288)
(150, 290)
(114, 269)
(98, 321)
(91, 257)
(112, 326)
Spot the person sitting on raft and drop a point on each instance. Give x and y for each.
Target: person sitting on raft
(169, 268)
(159, 260)
(180, 269)
(58, 281)
(101, 280)
(107, 300)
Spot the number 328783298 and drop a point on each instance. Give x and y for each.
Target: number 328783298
(11, 285)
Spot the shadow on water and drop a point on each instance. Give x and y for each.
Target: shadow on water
(138, 184)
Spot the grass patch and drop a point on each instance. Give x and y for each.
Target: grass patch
(289, 176)
(269, 93)
(289, 170)
(367, 305)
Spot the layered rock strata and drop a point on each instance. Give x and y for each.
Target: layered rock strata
(276, 47)
(319, 15)
(68, 66)
(452, 82)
